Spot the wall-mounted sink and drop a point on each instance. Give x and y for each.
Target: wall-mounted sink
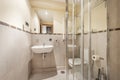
(42, 48)
(71, 46)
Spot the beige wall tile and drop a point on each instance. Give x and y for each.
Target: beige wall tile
(15, 53)
(53, 59)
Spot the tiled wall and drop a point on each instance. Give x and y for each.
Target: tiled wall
(55, 58)
(99, 47)
(114, 39)
(114, 55)
(15, 53)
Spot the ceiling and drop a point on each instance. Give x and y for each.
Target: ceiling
(46, 16)
(49, 6)
(45, 8)
(58, 5)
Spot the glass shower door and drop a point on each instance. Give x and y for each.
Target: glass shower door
(85, 28)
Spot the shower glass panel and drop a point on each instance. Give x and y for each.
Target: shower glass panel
(99, 40)
(86, 37)
(73, 41)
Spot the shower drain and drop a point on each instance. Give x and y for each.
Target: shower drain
(62, 72)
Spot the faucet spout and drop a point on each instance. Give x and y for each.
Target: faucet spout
(43, 44)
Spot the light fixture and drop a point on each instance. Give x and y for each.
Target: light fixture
(46, 12)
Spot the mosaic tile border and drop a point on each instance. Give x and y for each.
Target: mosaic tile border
(17, 28)
(14, 27)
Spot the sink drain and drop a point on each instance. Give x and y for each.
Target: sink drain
(62, 72)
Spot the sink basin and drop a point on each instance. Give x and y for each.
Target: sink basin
(70, 46)
(42, 48)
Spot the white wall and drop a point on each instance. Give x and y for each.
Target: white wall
(15, 12)
(59, 22)
(35, 22)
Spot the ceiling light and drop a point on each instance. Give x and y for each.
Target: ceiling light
(46, 12)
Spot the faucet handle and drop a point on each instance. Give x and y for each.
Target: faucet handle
(50, 39)
(43, 44)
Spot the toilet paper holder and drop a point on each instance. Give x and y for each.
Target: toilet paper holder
(97, 58)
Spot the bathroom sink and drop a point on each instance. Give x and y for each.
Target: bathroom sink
(70, 45)
(42, 48)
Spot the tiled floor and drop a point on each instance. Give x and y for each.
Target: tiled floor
(55, 75)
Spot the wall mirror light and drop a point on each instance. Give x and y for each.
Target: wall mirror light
(46, 21)
(46, 28)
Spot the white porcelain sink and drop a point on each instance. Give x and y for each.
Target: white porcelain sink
(42, 48)
(70, 45)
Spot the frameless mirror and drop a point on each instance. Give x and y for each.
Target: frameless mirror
(47, 29)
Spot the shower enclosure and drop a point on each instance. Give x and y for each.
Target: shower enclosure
(86, 40)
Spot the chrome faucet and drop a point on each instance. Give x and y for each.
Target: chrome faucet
(43, 44)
